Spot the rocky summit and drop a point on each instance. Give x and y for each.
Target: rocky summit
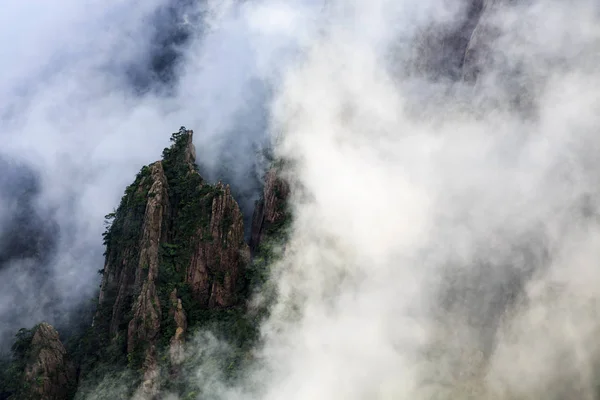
(176, 259)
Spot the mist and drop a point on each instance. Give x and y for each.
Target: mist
(444, 172)
(444, 243)
(90, 93)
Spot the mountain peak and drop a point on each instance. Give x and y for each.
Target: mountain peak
(182, 149)
(173, 240)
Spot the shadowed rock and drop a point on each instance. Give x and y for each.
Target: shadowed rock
(270, 211)
(49, 375)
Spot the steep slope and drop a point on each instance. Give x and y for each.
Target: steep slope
(40, 368)
(49, 374)
(269, 234)
(270, 214)
(176, 261)
(175, 247)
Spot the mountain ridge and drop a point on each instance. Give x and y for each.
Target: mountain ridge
(176, 260)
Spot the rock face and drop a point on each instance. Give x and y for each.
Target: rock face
(175, 258)
(271, 210)
(49, 375)
(220, 253)
(144, 327)
(176, 244)
(178, 314)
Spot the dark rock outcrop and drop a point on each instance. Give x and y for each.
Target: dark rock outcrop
(49, 375)
(220, 253)
(271, 210)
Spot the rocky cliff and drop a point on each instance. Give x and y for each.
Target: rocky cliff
(175, 260)
(175, 246)
(49, 375)
(40, 369)
(271, 213)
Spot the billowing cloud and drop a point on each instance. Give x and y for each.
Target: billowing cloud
(445, 211)
(445, 230)
(91, 92)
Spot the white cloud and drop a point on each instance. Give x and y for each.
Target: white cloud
(440, 244)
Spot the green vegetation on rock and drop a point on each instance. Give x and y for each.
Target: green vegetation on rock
(108, 350)
(12, 369)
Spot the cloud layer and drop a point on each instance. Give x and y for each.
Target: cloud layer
(445, 236)
(443, 247)
(91, 94)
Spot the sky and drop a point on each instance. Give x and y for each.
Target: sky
(445, 234)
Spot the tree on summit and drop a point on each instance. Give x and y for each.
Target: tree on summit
(177, 135)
